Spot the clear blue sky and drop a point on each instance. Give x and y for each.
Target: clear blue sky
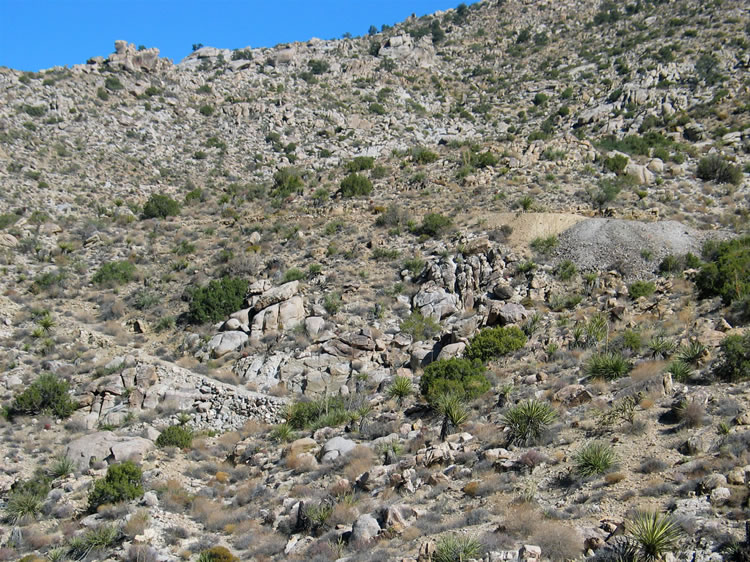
(38, 34)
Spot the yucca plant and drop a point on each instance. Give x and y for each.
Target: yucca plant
(528, 420)
(62, 466)
(655, 534)
(608, 366)
(400, 389)
(456, 548)
(594, 458)
(680, 371)
(451, 406)
(282, 433)
(661, 347)
(691, 353)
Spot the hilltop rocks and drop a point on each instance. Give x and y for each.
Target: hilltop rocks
(127, 57)
(404, 48)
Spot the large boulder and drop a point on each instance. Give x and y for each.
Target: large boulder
(276, 295)
(105, 446)
(226, 342)
(365, 529)
(336, 447)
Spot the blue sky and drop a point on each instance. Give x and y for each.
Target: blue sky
(38, 34)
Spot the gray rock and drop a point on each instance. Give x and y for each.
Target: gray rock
(276, 295)
(452, 350)
(365, 528)
(223, 343)
(337, 447)
(105, 446)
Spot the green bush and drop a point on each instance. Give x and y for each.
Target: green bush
(114, 273)
(217, 300)
(355, 185)
(332, 302)
(160, 206)
(495, 342)
(206, 110)
(566, 270)
(422, 155)
(593, 459)
(641, 289)
(420, 327)
(123, 482)
(293, 274)
(47, 394)
(113, 83)
(360, 163)
(400, 389)
(528, 420)
(714, 167)
(608, 365)
(461, 377)
(287, 181)
(26, 498)
(434, 225)
(216, 554)
(179, 436)
(734, 364)
(8, 219)
(616, 163)
(727, 271)
(314, 414)
(544, 245)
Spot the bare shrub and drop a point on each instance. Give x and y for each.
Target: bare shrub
(558, 541)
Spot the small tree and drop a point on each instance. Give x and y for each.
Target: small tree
(123, 482)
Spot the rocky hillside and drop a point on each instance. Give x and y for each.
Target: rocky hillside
(475, 286)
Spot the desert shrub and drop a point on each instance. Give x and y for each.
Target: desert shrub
(714, 167)
(727, 270)
(394, 216)
(216, 300)
(660, 346)
(607, 365)
(461, 377)
(734, 358)
(455, 548)
(286, 182)
(641, 289)
(654, 534)
(593, 459)
(616, 163)
(8, 219)
(422, 155)
(495, 342)
(329, 411)
(420, 327)
(691, 353)
(160, 206)
(122, 483)
(332, 302)
(26, 497)
(293, 274)
(544, 245)
(88, 545)
(360, 163)
(318, 66)
(528, 420)
(355, 185)
(377, 108)
(114, 273)
(48, 394)
(679, 370)
(175, 436)
(216, 554)
(434, 224)
(113, 83)
(566, 270)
